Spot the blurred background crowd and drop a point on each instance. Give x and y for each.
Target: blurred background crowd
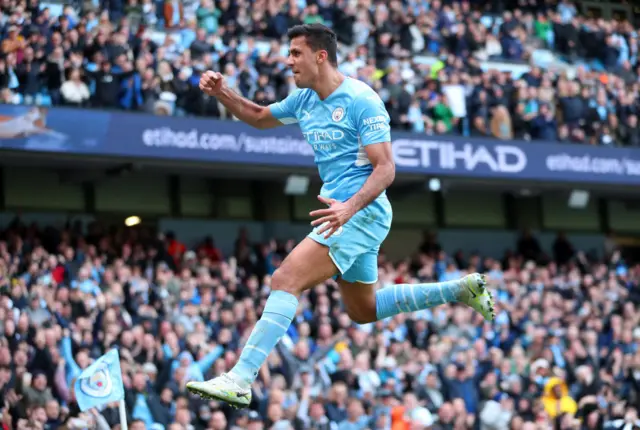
(562, 353)
(424, 58)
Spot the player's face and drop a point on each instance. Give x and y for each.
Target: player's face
(303, 62)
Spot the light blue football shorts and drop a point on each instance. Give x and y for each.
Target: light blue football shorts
(354, 247)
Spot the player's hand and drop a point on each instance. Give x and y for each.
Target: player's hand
(211, 83)
(332, 218)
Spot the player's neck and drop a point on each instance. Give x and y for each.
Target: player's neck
(328, 83)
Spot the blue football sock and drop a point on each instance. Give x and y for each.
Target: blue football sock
(274, 323)
(404, 298)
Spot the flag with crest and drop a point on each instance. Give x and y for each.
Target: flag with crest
(101, 382)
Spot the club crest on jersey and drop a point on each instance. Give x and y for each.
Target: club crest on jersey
(99, 384)
(337, 114)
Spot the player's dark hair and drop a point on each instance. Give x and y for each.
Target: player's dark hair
(318, 37)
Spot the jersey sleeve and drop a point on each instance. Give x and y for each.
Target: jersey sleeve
(285, 110)
(371, 119)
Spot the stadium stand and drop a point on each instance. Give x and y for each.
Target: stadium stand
(563, 353)
(424, 58)
(563, 350)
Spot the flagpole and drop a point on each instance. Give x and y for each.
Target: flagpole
(123, 415)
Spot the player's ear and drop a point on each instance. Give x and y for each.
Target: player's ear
(321, 56)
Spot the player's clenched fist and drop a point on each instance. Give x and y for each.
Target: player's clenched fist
(211, 83)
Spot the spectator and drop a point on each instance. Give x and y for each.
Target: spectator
(410, 414)
(74, 91)
(501, 123)
(54, 71)
(628, 133)
(544, 126)
(528, 246)
(556, 398)
(173, 14)
(356, 418)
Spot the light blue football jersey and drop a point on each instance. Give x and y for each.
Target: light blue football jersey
(338, 128)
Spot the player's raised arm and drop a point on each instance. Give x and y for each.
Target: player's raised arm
(212, 83)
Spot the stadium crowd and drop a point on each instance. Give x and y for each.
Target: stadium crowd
(562, 354)
(148, 55)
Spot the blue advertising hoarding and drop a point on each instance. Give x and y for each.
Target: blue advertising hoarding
(75, 131)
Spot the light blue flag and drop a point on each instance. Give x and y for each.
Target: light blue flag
(100, 383)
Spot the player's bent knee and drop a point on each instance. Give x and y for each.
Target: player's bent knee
(364, 315)
(360, 301)
(283, 281)
(362, 319)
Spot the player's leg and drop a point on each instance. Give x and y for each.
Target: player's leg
(364, 304)
(308, 265)
(355, 253)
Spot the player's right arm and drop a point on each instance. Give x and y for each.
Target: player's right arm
(262, 117)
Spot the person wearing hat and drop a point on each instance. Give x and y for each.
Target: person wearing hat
(556, 399)
(241, 419)
(254, 421)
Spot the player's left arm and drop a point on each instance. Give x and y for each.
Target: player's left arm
(372, 122)
(384, 172)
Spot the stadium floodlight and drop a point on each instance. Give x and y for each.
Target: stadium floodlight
(435, 185)
(578, 199)
(132, 221)
(296, 185)
(526, 192)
